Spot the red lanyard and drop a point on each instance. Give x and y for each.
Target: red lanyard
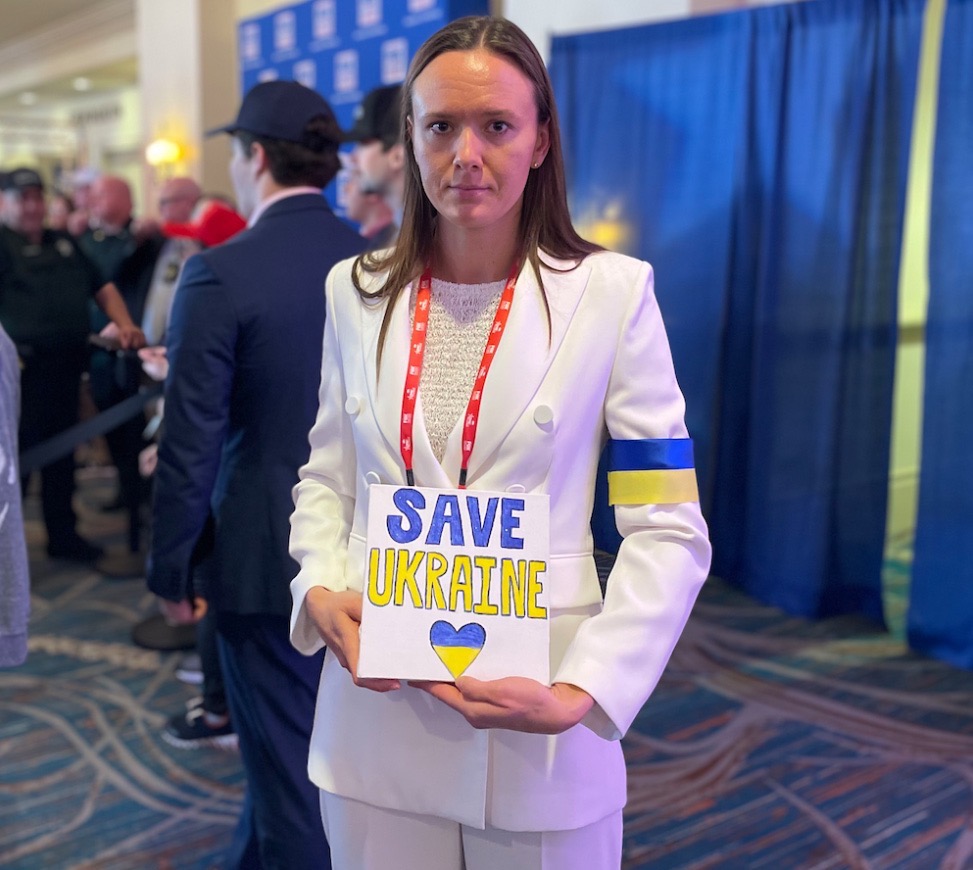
(417, 352)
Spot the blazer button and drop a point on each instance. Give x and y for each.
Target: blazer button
(352, 405)
(543, 415)
(372, 478)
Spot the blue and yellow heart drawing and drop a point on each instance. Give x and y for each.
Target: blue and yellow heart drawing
(457, 648)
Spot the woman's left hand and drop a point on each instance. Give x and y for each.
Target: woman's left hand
(514, 703)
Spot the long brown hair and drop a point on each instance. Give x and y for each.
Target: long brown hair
(545, 222)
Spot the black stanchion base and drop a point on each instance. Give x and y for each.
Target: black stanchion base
(155, 633)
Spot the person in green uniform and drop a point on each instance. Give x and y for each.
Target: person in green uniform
(45, 285)
(126, 257)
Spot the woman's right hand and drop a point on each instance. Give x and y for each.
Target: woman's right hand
(337, 617)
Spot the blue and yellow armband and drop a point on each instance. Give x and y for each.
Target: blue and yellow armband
(651, 471)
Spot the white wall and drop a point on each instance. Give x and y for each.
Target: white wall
(189, 83)
(541, 20)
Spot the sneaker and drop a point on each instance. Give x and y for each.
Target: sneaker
(190, 670)
(190, 730)
(74, 548)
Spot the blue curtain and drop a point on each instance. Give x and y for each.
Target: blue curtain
(940, 618)
(758, 159)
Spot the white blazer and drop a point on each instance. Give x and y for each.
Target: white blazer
(549, 404)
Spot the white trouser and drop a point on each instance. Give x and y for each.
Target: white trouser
(364, 837)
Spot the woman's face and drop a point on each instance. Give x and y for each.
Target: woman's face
(475, 137)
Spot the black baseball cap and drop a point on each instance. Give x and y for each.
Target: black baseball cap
(20, 179)
(281, 110)
(378, 117)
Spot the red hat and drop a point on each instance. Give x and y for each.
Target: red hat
(216, 223)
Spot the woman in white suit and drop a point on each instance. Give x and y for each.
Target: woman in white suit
(506, 773)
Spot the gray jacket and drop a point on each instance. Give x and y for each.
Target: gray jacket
(14, 578)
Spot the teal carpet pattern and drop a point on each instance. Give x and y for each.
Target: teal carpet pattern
(777, 743)
(771, 742)
(86, 780)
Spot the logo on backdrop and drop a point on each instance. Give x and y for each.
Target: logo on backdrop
(250, 43)
(306, 72)
(395, 60)
(268, 75)
(421, 5)
(285, 31)
(346, 71)
(324, 19)
(369, 13)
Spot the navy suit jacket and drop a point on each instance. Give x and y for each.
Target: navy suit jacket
(244, 347)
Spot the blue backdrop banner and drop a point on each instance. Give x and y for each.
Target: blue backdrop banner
(758, 159)
(941, 606)
(342, 48)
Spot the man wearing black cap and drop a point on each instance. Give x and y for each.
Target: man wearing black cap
(45, 284)
(379, 155)
(244, 347)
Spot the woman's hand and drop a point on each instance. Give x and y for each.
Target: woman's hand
(337, 617)
(514, 703)
(155, 362)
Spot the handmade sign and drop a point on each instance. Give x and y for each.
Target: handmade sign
(455, 583)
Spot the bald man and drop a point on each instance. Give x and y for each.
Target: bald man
(109, 241)
(177, 198)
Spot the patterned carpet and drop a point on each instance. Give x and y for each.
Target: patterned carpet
(86, 780)
(771, 742)
(778, 743)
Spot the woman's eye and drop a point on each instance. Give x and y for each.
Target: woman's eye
(439, 127)
(499, 126)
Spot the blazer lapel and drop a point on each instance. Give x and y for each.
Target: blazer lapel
(523, 359)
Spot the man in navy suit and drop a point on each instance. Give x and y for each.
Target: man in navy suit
(244, 347)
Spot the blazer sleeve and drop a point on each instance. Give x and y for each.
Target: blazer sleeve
(619, 655)
(324, 496)
(201, 351)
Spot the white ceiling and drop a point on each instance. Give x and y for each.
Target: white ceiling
(26, 17)
(101, 80)
(29, 19)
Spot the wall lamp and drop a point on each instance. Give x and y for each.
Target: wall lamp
(162, 152)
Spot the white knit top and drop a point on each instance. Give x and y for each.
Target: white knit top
(460, 317)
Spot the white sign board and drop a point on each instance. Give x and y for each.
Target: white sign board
(455, 583)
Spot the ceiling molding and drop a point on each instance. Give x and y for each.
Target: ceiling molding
(99, 34)
(97, 21)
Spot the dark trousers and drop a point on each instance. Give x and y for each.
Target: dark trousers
(271, 690)
(49, 389)
(207, 647)
(113, 379)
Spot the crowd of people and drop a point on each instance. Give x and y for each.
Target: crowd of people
(292, 347)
